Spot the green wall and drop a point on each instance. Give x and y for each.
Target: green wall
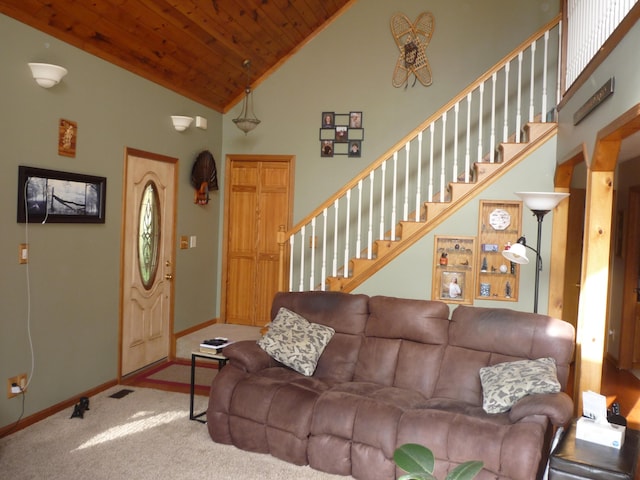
(74, 274)
(74, 270)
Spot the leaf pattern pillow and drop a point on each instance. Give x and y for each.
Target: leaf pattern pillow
(296, 342)
(505, 383)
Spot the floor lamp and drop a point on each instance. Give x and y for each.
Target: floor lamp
(540, 203)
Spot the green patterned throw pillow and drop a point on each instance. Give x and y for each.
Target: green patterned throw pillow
(505, 383)
(296, 342)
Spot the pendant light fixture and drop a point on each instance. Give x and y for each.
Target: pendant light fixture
(247, 120)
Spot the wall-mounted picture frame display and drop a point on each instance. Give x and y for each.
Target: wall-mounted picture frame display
(453, 278)
(341, 134)
(52, 196)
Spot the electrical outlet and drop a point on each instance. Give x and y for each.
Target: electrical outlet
(20, 381)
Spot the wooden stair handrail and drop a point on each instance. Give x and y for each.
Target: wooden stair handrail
(398, 146)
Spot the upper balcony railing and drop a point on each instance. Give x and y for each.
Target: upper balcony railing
(590, 24)
(524, 86)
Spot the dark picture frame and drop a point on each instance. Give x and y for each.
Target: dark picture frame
(355, 148)
(328, 119)
(355, 119)
(52, 196)
(327, 148)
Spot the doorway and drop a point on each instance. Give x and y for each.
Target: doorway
(630, 330)
(148, 255)
(259, 191)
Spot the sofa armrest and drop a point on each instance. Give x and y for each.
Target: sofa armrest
(248, 356)
(557, 406)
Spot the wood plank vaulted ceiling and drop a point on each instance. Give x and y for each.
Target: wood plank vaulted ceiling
(194, 47)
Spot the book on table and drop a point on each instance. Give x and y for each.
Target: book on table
(214, 345)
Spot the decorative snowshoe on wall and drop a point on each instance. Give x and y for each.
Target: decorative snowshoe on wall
(412, 40)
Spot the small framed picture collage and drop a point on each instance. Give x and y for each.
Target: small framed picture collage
(341, 134)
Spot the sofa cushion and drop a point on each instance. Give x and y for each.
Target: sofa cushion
(505, 383)
(296, 342)
(346, 313)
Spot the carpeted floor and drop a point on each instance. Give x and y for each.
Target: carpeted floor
(179, 373)
(145, 435)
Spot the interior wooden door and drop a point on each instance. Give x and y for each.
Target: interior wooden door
(630, 326)
(148, 252)
(258, 201)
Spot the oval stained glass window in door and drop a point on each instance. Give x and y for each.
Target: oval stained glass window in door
(149, 234)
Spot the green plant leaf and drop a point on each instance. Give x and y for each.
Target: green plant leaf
(417, 476)
(414, 458)
(465, 471)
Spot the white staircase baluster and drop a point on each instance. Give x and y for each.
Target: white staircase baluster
(292, 240)
(467, 154)
(347, 217)
(405, 210)
(382, 189)
(519, 100)
(336, 211)
(454, 176)
(505, 127)
(532, 80)
(312, 244)
(393, 199)
(430, 197)
(418, 181)
(480, 114)
(372, 176)
(443, 159)
(301, 284)
(492, 138)
(543, 112)
(359, 227)
(323, 275)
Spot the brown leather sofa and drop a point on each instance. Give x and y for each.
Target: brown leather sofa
(396, 371)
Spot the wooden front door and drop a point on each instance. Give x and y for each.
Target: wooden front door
(258, 200)
(630, 327)
(148, 253)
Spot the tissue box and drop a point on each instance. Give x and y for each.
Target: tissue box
(607, 434)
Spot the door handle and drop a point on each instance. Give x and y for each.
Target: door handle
(168, 276)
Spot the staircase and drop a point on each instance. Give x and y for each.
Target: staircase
(382, 212)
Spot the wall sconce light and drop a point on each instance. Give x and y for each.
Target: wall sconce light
(46, 74)
(247, 120)
(540, 203)
(181, 123)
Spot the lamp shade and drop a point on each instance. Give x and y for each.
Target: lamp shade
(516, 254)
(541, 201)
(46, 74)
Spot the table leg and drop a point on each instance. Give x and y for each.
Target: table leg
(193, 381)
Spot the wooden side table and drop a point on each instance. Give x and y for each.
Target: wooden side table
(222, 361)
(574, 459)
